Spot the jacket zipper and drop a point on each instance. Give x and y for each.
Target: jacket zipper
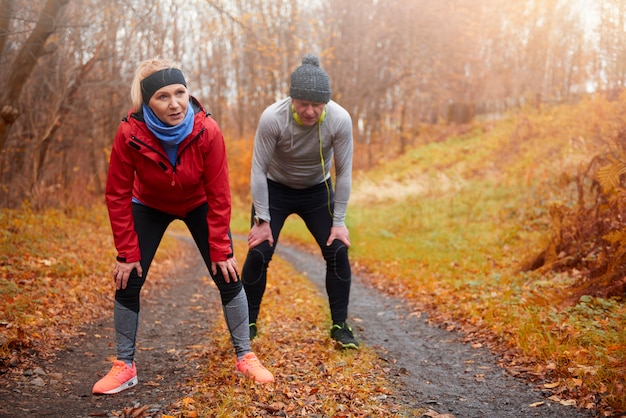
(194, 139)
(161, 153)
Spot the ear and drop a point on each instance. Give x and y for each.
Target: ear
(322, 116)
(295, 115)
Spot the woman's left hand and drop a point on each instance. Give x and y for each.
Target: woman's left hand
(229, 269)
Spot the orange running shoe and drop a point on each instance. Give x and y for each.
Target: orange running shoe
(120, 377)
(250, 366)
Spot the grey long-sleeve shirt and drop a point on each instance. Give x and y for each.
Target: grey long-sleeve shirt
(289, 154)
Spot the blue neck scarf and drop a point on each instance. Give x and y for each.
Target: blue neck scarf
(170, 136)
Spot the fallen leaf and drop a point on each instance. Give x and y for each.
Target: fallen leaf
(195, 346)
(434, 414)
(139, 412)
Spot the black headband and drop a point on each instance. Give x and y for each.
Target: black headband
(161, 78)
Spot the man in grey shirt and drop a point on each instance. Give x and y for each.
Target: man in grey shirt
(296, 142)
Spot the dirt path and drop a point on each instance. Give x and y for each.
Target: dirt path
(437, 370)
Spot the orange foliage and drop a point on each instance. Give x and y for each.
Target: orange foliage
(589, 237)
(239, 153)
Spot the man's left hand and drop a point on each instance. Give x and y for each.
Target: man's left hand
(341, 233)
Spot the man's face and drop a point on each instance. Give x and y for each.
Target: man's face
(308, 112)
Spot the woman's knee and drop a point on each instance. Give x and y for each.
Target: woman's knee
(129, 296)
(228, 290)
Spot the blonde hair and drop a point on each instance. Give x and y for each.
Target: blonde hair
(145, 69)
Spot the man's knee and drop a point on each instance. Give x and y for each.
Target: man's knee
(336, 256)
(256, 263)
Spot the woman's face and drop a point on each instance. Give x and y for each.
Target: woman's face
(169, 103)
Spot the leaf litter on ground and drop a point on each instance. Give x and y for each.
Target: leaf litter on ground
(46, 302)
(312, 376)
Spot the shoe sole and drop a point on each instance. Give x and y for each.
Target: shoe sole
(249, 375)
(132, 382)
(351, 346)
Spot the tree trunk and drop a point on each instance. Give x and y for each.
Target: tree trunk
(5, 18)
(63, 111)
(24, 65)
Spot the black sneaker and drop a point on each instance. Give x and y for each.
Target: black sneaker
(342, 333)
(253, 331)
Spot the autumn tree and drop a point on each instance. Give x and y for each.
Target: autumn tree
(610, 64)
(23, 63)
(395, 65)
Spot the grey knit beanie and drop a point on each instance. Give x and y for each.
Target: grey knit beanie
(310, 82)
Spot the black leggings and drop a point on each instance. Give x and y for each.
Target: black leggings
(150, 226)
(314, 205)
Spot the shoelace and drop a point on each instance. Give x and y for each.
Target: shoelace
(344, 332)
(343, 329)
(117, 370)
(253, 362)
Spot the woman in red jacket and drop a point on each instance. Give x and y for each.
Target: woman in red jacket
(168, 162)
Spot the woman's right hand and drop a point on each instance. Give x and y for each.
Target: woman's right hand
(122, 271)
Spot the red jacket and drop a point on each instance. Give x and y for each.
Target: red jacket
(140, 168)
